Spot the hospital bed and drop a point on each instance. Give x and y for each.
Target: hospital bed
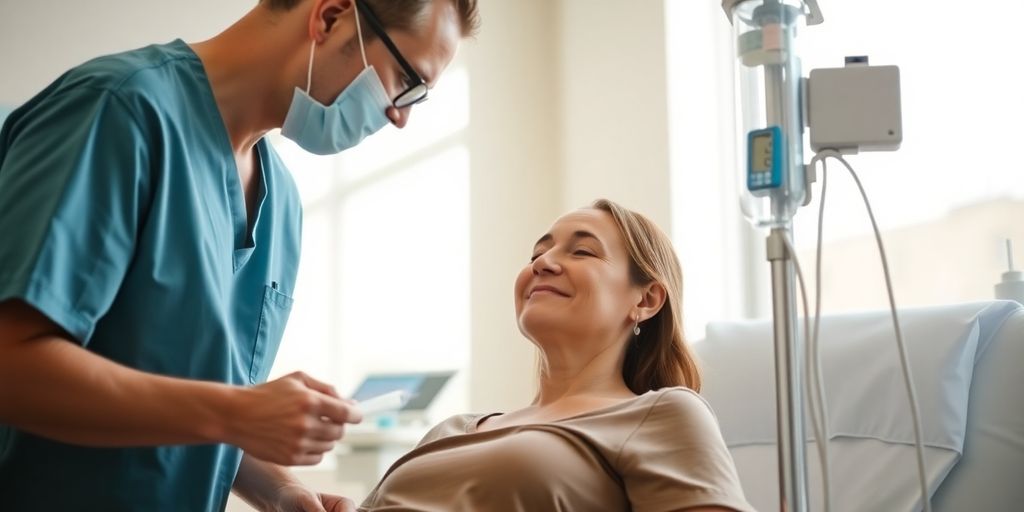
(967, 364)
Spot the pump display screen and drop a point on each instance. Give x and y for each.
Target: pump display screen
(761, 153)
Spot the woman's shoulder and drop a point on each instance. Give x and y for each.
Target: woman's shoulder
(678, 396)
(454, 425)
(678, 404)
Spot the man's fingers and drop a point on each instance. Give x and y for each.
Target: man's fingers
(318, 447)
(331, 406)
(308, 459)
(337, 503)
(312, 503)
(327, 431)
(338, 411)
(345, 505)
(312, 383)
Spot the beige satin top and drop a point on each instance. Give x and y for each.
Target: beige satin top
(661, 451)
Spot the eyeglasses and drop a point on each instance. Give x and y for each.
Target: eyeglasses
(416, 88)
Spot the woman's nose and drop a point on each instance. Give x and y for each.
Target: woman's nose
(546, 263)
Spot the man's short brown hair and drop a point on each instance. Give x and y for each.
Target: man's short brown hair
(403, 14)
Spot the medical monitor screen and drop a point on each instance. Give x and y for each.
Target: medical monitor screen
(761, 153)
(423, 388)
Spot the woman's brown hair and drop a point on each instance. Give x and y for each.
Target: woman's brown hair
(659, 357)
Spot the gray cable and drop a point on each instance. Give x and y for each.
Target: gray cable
(901, 346)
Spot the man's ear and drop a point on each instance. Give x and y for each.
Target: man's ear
(652, 299)
(325, 15)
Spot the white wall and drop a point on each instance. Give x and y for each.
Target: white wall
(515, 185)
(613, 105)
(39, 40)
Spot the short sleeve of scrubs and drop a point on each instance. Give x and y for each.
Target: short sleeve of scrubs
(73, 181)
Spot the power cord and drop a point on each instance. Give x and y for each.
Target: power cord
(812, 347)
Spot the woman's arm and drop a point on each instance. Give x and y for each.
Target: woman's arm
(676, 458)
(258, 482)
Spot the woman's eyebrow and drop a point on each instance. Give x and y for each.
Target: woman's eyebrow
(585, 234)
(575, 235)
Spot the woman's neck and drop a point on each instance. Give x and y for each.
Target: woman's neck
(568, 370)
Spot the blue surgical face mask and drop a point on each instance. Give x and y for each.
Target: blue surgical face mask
(357, 112)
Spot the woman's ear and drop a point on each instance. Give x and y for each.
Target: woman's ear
(652, 299)
(325, 16)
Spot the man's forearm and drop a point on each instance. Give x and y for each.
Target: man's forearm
(57, 389)
(257, 481)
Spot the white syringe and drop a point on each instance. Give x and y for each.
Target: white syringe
(387, 402)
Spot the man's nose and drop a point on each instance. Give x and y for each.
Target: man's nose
(398, 116)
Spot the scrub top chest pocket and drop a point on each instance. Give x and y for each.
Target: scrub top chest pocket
(273, 317)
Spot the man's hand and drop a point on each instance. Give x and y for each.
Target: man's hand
(295, 498)
(291, 421)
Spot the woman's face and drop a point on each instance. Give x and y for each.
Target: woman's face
(577, 282)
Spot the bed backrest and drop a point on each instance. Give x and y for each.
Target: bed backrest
(966, 362)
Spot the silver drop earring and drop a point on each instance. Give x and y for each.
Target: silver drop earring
(636, 325)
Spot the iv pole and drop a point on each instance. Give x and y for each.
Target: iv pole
(789, 349)
(783, 109)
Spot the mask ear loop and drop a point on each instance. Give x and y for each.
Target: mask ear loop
(312, 49)
(359, 34)
(309, 69)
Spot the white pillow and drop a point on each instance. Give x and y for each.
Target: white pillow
(988, 476)
(873, 465)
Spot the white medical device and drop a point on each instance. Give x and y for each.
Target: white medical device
(846, 109)
(388, 402)
(849, 109)
(855, 107)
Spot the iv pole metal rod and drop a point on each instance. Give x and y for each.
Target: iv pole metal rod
(788, 382)
(783, 109)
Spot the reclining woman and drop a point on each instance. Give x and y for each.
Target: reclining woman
(616, 424)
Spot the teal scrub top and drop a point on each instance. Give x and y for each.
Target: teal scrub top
(122, 219)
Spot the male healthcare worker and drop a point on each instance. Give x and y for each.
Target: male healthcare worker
(149, 239)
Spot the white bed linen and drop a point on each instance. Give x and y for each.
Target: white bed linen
(873, 465)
